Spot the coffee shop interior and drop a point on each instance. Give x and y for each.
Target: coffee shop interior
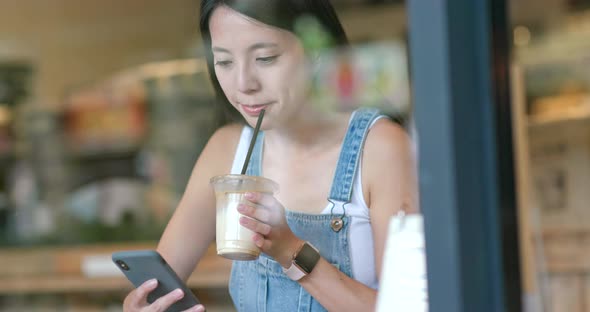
(105, 106)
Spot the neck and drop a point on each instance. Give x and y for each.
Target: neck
(309, 131)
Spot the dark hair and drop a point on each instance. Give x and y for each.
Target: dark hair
(284, 14)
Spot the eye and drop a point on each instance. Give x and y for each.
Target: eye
(223, 63)
(267, 59)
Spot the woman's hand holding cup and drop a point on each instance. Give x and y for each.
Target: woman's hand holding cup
(265, 216)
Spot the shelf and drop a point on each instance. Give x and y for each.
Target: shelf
(568, 124)
(566, 250)
(59, 270)
(566, 119)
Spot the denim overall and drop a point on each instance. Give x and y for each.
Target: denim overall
(260, 285)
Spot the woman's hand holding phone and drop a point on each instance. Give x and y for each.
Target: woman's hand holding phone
(136, 300)
(158, 288)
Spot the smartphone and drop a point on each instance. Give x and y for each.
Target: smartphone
(142, 265)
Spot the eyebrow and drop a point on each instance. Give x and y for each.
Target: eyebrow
(255, 46)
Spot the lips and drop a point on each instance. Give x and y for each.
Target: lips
(253, 110)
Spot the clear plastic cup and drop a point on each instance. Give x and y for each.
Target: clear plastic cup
(233, 240)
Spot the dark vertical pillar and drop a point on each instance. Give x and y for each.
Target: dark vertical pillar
(459, 75)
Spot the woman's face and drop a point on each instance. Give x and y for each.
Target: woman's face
(259, 66)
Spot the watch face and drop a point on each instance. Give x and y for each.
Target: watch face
(307, 258)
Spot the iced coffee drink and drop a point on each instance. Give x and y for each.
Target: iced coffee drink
(233, 240)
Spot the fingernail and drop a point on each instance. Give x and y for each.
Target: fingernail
(249, 195)
(178, 293)
(199, 308)
(258, 241)
(241, 208)
(151, 283)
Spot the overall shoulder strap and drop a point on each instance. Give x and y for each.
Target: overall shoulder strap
(348, 161)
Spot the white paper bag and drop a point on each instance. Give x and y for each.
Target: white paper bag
(403, 284)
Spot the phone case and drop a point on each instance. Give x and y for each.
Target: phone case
(142, 265)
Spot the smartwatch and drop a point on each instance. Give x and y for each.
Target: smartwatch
(304, 260)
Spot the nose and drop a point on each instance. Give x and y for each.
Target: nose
(247, 79)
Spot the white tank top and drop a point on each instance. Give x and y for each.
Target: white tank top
(362, 251)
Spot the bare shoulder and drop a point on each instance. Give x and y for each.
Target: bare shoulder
(221, 147)
(389, 166)
(224, 136)
(387, 139)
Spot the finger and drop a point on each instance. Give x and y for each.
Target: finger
(197, 308)
(164, 302)
(264, 199)
(141, 293)
(262, 243)
(257, 212)
(255, 225)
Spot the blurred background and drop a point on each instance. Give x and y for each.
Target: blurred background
(105, 106)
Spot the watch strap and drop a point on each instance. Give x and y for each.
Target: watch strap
(294, 272)
(303, 262)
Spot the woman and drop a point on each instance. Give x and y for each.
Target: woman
(341, 174)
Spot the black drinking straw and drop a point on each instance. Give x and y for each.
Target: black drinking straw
(253, 141)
